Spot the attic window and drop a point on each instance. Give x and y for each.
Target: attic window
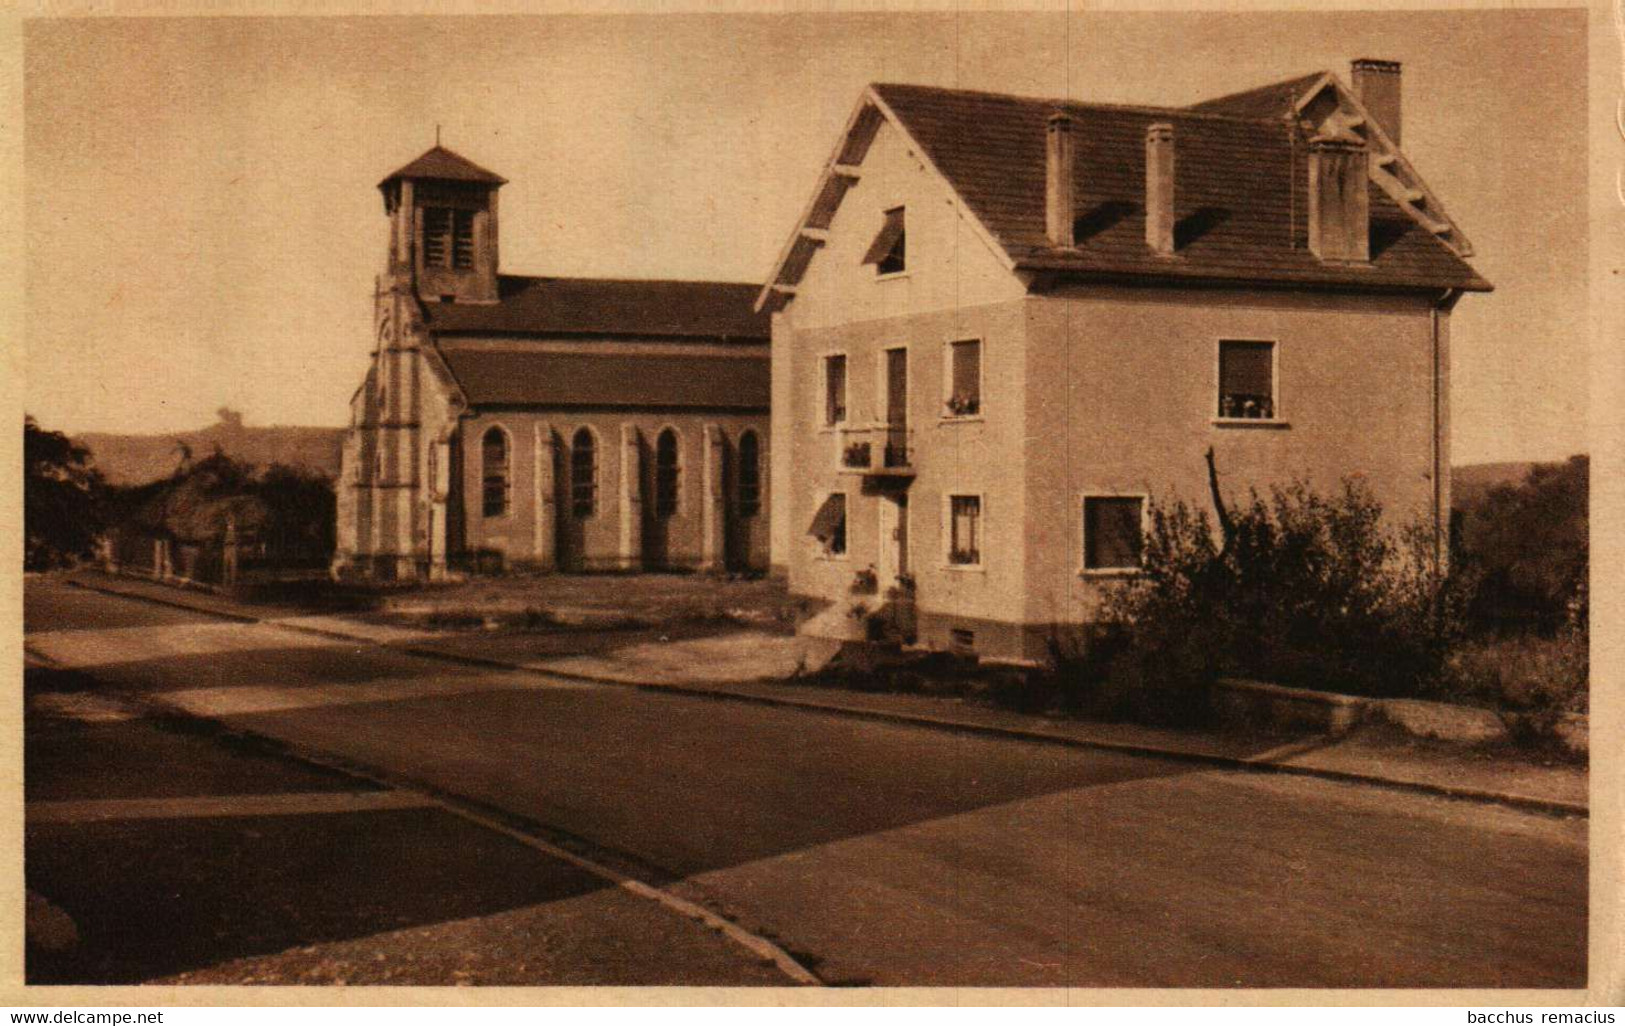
(448, 237)
(888, 250)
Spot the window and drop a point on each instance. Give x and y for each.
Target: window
(829, 525)
(448, 237)
(834, 389)
(666, 473)
(964, 530)
(965, 378)
(1247, 380)
(750, 474)
(583, 474)
(889, 249)
(494, 472)
(1113, 532)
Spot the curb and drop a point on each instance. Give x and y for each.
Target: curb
(1547, 806)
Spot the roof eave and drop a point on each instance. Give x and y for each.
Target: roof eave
(1071, 272)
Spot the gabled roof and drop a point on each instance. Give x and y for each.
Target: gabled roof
(603, 306)
(440, 163)
(1270, 101)
(1240, 203)
(515, 377)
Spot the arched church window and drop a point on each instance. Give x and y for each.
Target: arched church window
(750, 474)
(495, 477)
(666, 473)
(583, 474)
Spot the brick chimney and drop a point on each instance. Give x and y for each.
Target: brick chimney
(1059, 162)
(1376, 83)
(1159, 188)
(1339, 203)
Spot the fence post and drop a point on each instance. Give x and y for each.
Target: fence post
(229, 569)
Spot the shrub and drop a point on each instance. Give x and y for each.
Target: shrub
(1532, 682)
(1306, 590)
(1530, 543)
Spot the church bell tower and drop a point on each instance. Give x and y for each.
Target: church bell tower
(442, 211)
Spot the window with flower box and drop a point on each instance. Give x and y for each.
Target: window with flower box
(964, 530)
(964, 379)
(1246, 380)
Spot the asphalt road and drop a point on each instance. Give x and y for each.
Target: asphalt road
(896, 855)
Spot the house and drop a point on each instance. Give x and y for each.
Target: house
(1003, 325)
(546, 423)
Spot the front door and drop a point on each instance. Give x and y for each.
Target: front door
(893, 538)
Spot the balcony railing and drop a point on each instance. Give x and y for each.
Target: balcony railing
(884, 450)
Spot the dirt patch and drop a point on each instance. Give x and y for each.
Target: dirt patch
(553, 602)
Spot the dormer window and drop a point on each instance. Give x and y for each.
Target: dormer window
(448, 237)
(889, 250)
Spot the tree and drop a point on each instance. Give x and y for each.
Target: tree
(62, 516)
(1530, 543)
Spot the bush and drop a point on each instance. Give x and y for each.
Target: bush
(1306, 590)
(62, 499)
(1532, 682)
(1530, 543)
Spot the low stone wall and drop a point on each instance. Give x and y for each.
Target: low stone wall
(1257, 706)
(1271, 707)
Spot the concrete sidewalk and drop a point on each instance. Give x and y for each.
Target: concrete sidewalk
(751, 666)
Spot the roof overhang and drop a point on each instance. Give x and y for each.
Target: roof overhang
(1390, 169)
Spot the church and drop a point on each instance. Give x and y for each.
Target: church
(573, 424)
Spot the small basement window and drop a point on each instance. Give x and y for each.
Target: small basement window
(1247, 380)
(1113, 532)
(888, 252)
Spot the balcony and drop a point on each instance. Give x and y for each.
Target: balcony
(875, 450)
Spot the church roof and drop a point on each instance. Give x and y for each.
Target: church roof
(516, 377)
(440, 163)
(608, 306)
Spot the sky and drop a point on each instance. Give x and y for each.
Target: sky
(203, 228)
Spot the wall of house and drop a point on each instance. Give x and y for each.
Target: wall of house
(1123, 388)
(954, 287)
(981, 455)
(523, 536)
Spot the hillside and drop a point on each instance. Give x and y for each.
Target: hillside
(136, 459)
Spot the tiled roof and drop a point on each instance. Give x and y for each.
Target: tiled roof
(511, 377)
(441, 163)
(1270, 101)
(1239, 190)
(602, 306)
